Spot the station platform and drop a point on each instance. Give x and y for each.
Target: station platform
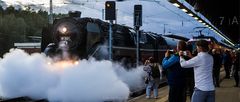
(225, 93)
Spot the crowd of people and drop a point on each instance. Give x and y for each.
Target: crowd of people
(193, 73)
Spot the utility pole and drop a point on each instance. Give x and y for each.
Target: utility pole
(51, 13)
(164, 29)
(103, 14)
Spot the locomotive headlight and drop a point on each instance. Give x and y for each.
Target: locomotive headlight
(64, 29)
(76, 62)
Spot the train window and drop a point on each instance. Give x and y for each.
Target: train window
(92, 27)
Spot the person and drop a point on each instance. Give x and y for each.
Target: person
(175, 75)
(203, 65)
(217, 60)
(236, 69)
(227, 63)
(189, 74)
(153, 77)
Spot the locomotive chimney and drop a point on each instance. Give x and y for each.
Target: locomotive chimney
(76, 14)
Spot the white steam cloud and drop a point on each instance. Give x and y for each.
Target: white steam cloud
(22, 74)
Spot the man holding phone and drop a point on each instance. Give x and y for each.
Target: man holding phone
(175, 74)
(203, 65)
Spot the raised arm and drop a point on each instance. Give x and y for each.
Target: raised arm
(190, 63)
(168, 62)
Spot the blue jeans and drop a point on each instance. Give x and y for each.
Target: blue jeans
(153, 84)
(203, 96)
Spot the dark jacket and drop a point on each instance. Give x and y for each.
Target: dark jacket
(217, 62)
(227, 59)
(175, 73)
(237, 63)
(188, 72)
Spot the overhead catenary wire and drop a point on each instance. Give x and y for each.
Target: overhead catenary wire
(172, 11)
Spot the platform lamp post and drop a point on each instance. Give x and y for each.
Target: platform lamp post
(137, 24)
(110, 14)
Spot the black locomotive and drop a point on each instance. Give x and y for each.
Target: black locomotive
(85, 37)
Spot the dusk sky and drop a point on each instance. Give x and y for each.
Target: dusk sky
(156, 14)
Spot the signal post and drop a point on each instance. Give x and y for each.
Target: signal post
(137, 24)
(110, 14)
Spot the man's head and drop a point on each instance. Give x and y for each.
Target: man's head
(182, 46)
(202, 46)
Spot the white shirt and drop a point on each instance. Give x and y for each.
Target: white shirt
(203, 66)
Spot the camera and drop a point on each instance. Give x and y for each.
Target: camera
(185, 53)
(171, 51)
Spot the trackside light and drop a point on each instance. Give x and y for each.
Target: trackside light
(177, 5)
(190, 14)
(110, 10)
(196, 18)
(108, 5)
(184, 10)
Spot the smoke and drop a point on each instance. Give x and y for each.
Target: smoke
(132, 77)
(22, 74)
(25, 75)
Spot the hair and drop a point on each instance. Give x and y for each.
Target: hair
(151, 59)
(189, 47)
(182, 45)
(203, 44)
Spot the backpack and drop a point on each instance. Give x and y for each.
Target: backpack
(155, 71)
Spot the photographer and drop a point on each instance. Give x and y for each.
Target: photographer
(153, 77)
(175, 75)
(203, 65)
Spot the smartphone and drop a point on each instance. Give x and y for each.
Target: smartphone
(185, 53)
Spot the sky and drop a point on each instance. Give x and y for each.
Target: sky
(156, 14)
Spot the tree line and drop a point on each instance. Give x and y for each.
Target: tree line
(17, 24)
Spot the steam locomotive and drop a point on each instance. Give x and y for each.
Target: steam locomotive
(88, 37)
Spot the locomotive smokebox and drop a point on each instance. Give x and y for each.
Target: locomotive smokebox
(74, 14)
